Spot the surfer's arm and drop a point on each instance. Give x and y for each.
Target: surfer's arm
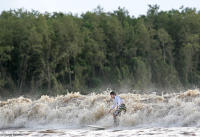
(113, 107)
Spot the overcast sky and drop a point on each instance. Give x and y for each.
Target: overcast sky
(135, 7)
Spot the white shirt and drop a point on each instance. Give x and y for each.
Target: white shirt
(117, 102)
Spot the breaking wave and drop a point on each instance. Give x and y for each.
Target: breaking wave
(76, 110)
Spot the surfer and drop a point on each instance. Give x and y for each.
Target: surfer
(118, 105)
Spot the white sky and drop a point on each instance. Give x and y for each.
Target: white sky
(135, 7)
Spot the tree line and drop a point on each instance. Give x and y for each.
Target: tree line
(53, 52)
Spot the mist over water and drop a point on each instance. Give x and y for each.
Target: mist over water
(77, 111)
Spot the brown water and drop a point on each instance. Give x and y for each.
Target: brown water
(175, 114)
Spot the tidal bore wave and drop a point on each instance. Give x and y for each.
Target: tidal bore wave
(76, 110)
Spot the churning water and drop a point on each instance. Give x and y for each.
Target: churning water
(175, 114)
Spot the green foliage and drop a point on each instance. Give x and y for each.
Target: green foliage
(56, 53)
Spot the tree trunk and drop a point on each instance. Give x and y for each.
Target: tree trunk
(49, 77)
(69, 73)
(23, 73)
(163, 45)
(48, 69)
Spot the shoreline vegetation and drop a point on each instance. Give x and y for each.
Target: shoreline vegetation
(56, 53)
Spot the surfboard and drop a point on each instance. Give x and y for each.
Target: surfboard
(97, 127)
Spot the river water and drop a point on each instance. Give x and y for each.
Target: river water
(174, 114)
(117, 132)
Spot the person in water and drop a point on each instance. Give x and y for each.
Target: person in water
(118, 105)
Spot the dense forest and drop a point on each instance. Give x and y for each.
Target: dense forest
(57, 52)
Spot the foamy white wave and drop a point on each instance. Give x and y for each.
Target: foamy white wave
(75, 110)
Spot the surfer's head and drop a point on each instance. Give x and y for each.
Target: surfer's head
(112, 94)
